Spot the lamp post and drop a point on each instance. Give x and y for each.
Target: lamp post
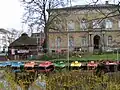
(117, 53)
(80, 52)
(68, 50)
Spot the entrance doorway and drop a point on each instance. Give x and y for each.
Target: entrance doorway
(96, 42)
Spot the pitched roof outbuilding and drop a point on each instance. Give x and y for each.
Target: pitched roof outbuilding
(24, 40)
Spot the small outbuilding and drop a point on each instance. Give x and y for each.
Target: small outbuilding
(22, 48)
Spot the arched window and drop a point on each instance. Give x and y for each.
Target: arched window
(71, 42)
(58, 41)
(109, 39)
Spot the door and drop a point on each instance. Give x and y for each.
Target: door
(96, 42)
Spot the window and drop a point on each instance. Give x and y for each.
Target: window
(3, 39)
(83, 24)
(109, 39)
(108, 24)
(58, 41)
(71, 26)
(71, 42)
(119, 24)
(58, 25)
(84, 41)
(102, 24)
(96, 24)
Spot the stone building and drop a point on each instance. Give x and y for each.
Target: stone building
(90, 27)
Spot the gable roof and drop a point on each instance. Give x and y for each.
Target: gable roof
(24, 40)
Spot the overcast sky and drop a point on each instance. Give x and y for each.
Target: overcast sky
(11, 13)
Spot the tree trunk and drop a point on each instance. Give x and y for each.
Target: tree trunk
(45, 44)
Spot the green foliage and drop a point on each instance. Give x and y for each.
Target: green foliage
(78, 80)
(1, 85)
(97, 57)
(86, 57)
(52, 56)
(70, 80)
(10, 78)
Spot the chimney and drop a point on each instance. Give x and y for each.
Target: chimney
(106, 2)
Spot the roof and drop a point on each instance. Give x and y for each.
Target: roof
(82, 7)
(4, 31)
(24, 40)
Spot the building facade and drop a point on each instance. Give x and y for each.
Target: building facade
(90, 27)
(5, 40)
(40, 40)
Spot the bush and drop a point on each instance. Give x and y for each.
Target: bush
(79, 80)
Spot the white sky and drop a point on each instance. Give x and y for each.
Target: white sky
(11, 12)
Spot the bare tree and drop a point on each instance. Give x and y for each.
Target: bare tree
(37, 17)
(13, 34)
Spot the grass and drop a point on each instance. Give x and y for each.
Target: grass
(111, 56)
(99, 57)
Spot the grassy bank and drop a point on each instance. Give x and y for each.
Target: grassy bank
(98, 57)
(92, 57)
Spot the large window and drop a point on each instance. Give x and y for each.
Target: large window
(58, 25)
(71, 42)
(119, 24)
(84, 41)
(71, 26)
(58, 41)
(96, 24)
(109, 40)
(108, 24)
(3, 39)
(83, 24)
